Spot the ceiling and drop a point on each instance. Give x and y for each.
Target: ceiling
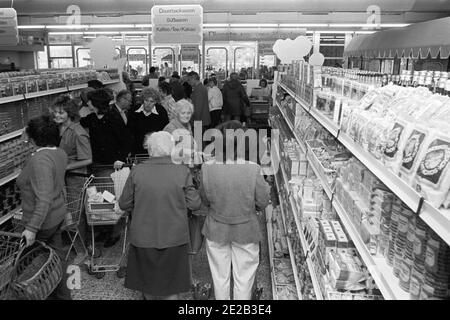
(217, 11)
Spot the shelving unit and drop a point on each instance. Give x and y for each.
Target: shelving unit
(291, 253)
(438, 220)
(9, 178)
(377, 266)
(294, 210)
(49, 92)
(269, 211)
(11, 135)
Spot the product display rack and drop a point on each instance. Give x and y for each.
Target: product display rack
(377, 266)
(269, 211)
(291, 253)
(11, 135)
(49, 92)
(299, 228)
(438, 220)
(9, 178)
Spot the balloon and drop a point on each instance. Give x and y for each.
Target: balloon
(316, 59)
(302, 45)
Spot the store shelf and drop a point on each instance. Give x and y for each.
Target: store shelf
(377, 266)
(405, 192)
(302, 238)
(9, 178)
(269, 211)
(11, 135)
(9, 215)
(291, 252)
(50, 92)
(438, 220)
(302, 145)
(318, 171)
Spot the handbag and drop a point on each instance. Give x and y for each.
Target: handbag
(196, 237)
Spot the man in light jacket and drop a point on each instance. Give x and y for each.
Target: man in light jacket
(215, 102)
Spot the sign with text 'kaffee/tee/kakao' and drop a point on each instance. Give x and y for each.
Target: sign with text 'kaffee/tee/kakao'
(177, 24)
(9, 35)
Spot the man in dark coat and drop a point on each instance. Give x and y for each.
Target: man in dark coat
(235, 99)
(199, 99)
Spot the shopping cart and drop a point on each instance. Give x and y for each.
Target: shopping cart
(104, 214)
(136, 159)
(9, 248)
(74, 199)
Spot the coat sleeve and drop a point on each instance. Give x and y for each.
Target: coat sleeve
(191, 195)
(123, 138)
(244, 96)
(126, 201)
(262, 192)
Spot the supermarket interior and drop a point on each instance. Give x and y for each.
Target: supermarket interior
(350, 103)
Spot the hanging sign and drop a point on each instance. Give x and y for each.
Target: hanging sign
(9, 34)
(177, 24)
(265, 48)
(189, 53)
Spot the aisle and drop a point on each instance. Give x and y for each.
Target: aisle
(111, 287)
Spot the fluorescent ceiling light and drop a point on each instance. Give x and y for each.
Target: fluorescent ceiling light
(89, 37)
(394, 25)
(334, 31)
(368, 25)
(136, 32)
(110, 26)
(102, 32)
(31, 27)
(142, 25)
(64, 33)
(364, 32)
(68, 26)
(253, 25)
(215, 25)
(302, 25)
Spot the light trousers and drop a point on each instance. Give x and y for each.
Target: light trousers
(243, 257)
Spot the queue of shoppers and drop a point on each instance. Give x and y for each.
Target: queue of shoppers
(99, 135)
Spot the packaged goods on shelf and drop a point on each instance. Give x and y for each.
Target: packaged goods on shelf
(9, 198)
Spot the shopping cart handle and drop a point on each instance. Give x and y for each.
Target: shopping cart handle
(78, 174)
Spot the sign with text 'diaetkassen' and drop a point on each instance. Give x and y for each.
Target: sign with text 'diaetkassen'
(177, 24)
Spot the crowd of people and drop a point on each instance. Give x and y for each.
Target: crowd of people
(97, 136)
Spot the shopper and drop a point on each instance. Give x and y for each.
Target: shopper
(121, 107)
(74, 140)
(186, 87)
(111, 144)
(152, 75)
(182, 114)
(177, 88)
(158, 194)
(215, 102)
(167, 101)
(266, 91)
(84, 109)
(235, 99)
(232, 191)
(199, 99)
(41, 184)
(150, 117)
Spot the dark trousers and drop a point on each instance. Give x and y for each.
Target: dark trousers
(52, 237)
(215, 117)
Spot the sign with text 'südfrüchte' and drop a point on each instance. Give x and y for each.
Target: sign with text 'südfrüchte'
(177, 24)
(9, 34)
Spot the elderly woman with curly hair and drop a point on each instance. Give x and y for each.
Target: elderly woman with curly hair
(158, 193)
(150, 117)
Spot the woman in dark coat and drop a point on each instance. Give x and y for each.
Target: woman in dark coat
(235, 98)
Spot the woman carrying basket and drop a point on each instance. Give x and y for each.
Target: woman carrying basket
(41, 184)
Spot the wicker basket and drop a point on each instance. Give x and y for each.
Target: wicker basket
(37, 273)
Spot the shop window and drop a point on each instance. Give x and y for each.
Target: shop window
(217, 62)
(60, 51)
(83, 57)
(61, 63)
(42, 59)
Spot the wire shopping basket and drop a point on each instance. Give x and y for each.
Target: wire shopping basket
(9, 248)
(73, 198)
